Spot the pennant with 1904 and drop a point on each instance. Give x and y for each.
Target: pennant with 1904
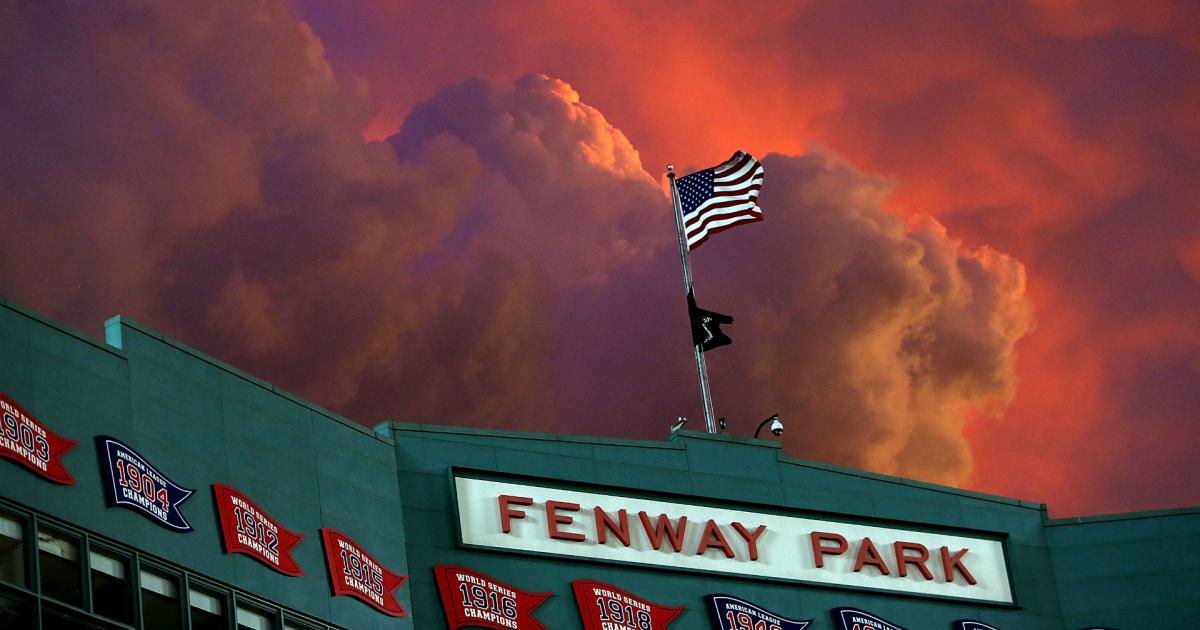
(131, 482)
(731, 613)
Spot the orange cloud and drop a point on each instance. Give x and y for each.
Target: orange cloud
(512, 230)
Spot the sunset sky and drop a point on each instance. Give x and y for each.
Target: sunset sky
(980, 263)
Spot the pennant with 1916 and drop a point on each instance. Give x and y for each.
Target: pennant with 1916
(474, 599)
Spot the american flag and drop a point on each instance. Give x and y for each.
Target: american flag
(720, 197)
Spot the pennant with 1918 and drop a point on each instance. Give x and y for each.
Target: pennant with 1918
(474, 599)
(730, 613)
(28, 442)
(247, 529)
(606, 607)
(356, 573)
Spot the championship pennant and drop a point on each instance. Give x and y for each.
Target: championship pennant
(854, 619)
(28, 442)
(731, 613)
(132, 483)
(471, 598)
(968, 624)
(247, 529)
(606, 607)
(355, 573)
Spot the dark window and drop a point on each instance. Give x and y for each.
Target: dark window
(62, 618)
(16, 611)
(208, 610)
(292, 624)
(112, 595)
(58, 558)
(12, 549)
(54, 570)
(160, 601)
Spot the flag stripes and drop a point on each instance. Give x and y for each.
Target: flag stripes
(718, 198)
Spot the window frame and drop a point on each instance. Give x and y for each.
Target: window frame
(32, 521)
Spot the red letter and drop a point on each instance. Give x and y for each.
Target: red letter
(903, 561)
(751, 539)
(506, 513)
(712, 537)
(868, 554)
(655, 532)
(553, 519)
(820, 550)
(949, 563)
(604, 524)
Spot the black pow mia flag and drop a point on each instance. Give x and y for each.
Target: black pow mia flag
(706, 326)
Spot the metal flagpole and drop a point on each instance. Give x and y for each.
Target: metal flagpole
(709, 423)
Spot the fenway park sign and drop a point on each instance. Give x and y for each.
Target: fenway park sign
(520, 517)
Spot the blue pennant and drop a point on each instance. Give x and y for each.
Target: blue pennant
(731, 613)
(132, 483)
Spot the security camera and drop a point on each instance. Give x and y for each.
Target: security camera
(678, 425)
(776, 426)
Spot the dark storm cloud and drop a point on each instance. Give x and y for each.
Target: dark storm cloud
(1061, 132)
(872, 336)
(503, 259)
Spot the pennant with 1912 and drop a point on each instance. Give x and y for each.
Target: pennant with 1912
(731, 613)
(969, 624)
(131, 482)
(28, 442)
(855, 619)
(355, 573)
(474, 599)
(247, 529)
(606, 607)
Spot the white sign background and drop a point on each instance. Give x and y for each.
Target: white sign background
(784, 549)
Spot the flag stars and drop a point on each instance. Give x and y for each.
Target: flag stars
(706, 210)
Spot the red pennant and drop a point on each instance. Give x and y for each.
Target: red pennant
(25, 440)
(471, 598)
(355, 573)
(248, 529)
(606, 607)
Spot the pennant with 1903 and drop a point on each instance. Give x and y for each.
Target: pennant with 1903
(30, 443)
(606, 607)
(730, 613)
